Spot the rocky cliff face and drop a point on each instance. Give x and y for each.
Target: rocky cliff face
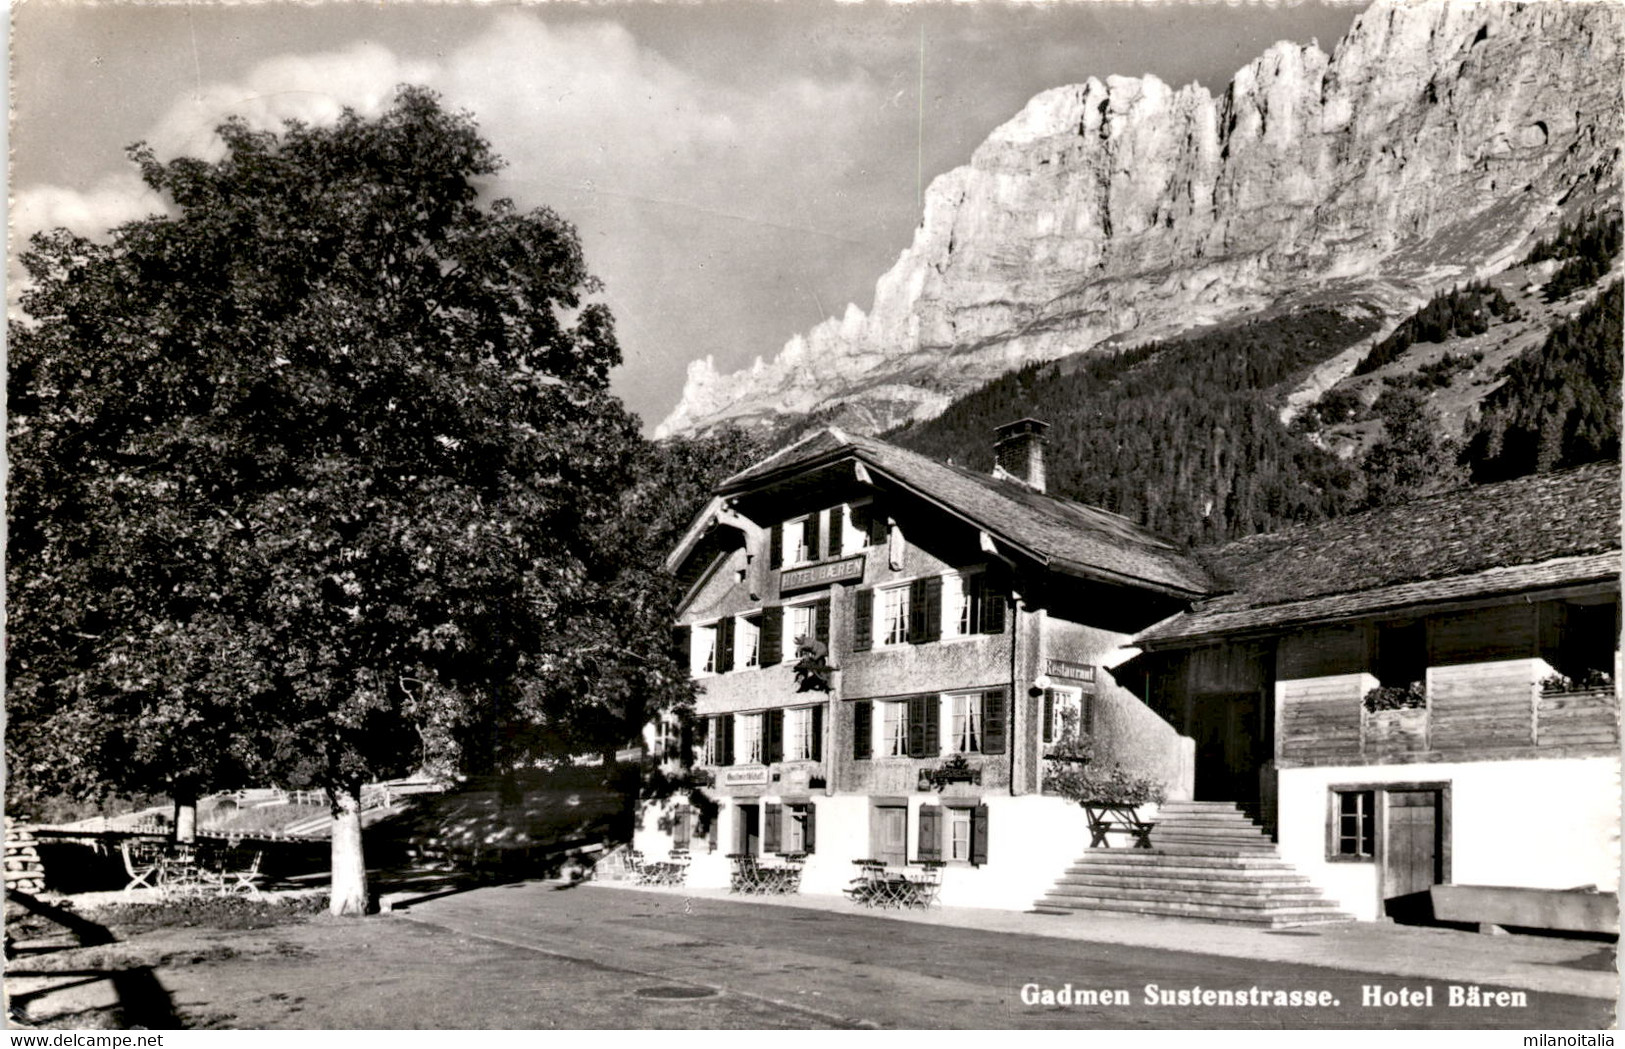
(1426, 149)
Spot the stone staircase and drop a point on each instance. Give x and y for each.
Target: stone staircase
(1208, 862)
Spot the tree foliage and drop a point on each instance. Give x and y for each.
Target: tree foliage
(1412, 457)
(1587, 247)
(1183, 436)
(1560, 403)
(1459, 312)
(318, 477)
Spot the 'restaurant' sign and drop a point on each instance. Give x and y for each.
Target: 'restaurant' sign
(847, 569)
(744, 777)
(1065, 668)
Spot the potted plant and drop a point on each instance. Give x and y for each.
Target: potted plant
(812, 669)
(956, 769)
(1394, 719)
(1108, 792)
(1590, 680)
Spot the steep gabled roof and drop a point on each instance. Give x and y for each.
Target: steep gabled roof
(1544, 530)
(1058, 532)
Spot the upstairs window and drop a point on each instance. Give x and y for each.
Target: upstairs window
(703, 655)
(893, 619)
(893, 725)
(966, 604)
(798, 733)
(748, 642)
(965, 723)
(800, 621)
(748, 743)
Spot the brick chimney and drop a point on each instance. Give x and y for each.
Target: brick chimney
(1018, 453)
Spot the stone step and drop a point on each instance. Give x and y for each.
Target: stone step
(1281, 918)
(1249, 901)
(1195, 878)
(1203, 819)
(1232, 859)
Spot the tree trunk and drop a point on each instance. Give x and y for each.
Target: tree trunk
(185, 816)
(349, 877)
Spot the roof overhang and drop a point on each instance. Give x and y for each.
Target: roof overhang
(1548, 580)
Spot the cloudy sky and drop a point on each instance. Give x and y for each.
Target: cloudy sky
(739, 169)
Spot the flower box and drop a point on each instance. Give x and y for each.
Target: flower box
(1396, 731)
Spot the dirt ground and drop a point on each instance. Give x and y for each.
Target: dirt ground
(328, 973)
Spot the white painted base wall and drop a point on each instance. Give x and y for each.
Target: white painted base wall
(1551, 823)
(1031, 842)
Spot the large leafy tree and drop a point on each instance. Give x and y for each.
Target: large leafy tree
(318, 476)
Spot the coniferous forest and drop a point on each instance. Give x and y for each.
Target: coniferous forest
(1183, 436)
(1560, 404)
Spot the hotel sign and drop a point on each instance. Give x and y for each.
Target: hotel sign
(744, 777)
(1065, 668)
(846, 570)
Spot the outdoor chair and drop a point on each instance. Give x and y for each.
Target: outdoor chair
(143, 862)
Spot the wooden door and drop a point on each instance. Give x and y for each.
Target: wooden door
(1412, 854)
(1231, 744)
(750, 829)
(891, 835)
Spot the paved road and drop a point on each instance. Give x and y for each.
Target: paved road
(853, 969)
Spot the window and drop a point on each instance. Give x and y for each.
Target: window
(953, 832)
(965, 724)
(893, 625)
(703, 657)
(893, 731)
(801, 621)
(748, 643)
(798, 731)
(959, 821)
(1063, 705)
(667, 743)
(963, 598)
(797, 835)
(719, 740)
(1355, 824)
(748, 749)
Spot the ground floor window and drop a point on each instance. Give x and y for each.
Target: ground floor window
(1354, 834)
(956, 833)
(792, 827)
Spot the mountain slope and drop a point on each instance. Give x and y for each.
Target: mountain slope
(1428, 148)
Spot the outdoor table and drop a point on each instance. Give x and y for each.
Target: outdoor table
(753, 878)
(878, 886)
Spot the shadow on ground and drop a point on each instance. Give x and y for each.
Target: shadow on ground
(140, 998)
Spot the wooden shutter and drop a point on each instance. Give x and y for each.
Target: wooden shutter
(924, 726)
(993, 722)
(821, 621)
(770, 643)
(818, 733)
(863, 619)
(725, 644)
(810, 537)
(1049, 715)
(862, 729)
(925, 610)
(993, 601)
(1086, 720)
(682, 645)
(770, 827)
(877, 525)
(725, 739)
(929, 846)
(685, 742)
(773, 731)
(978, 836)
(775, 545)
(837, 531)
(679, 827)
(809, 835)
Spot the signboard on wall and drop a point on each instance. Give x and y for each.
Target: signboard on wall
(847, 569)
(1068, 670)
(744, 777)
